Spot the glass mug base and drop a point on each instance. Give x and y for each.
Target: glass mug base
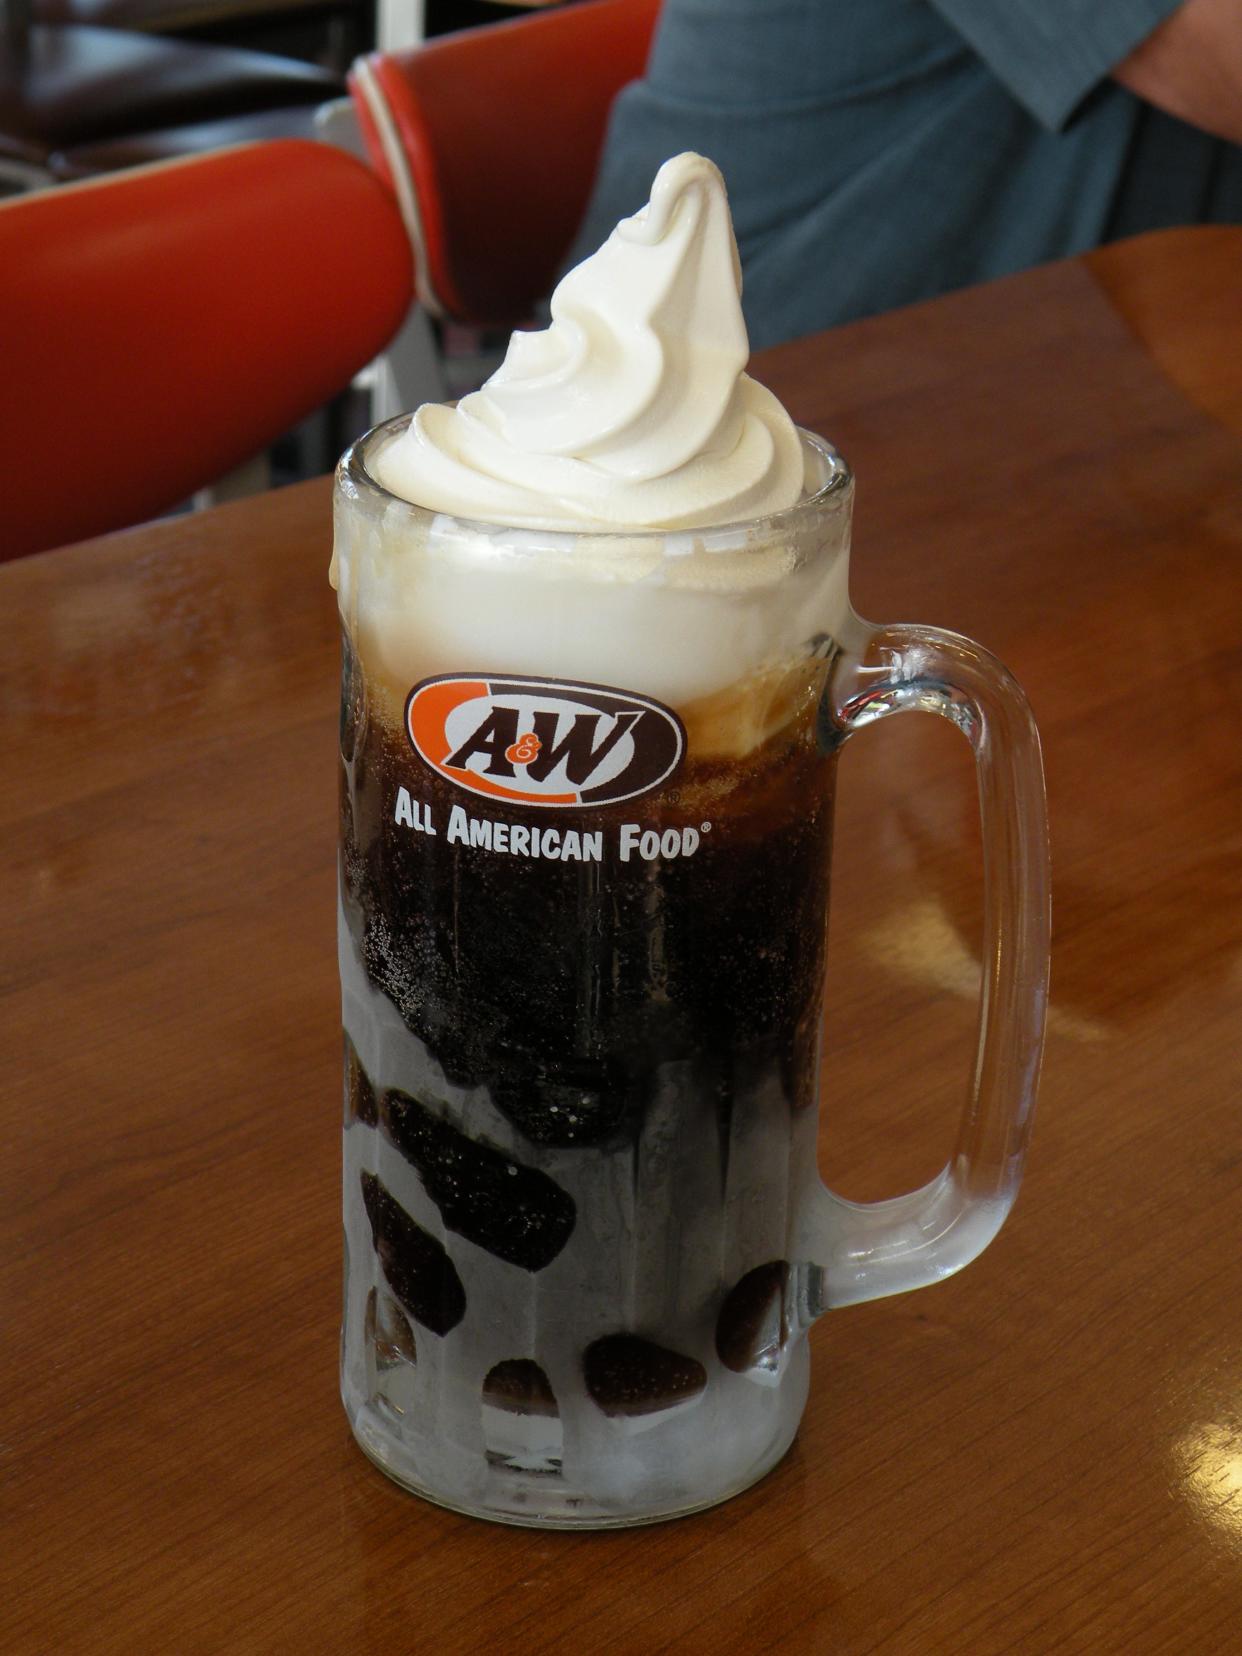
(547, 1495)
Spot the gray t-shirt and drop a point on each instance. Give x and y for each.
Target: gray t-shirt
(882, 151)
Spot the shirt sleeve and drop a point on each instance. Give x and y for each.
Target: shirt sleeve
(1049, 54)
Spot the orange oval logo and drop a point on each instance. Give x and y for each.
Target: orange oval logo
(543, 741)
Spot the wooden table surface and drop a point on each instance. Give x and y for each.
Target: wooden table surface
(1043, 1454)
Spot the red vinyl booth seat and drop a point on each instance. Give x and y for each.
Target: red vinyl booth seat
(164, 325)
(497, 131)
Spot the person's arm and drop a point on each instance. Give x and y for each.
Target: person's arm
(1191, 66)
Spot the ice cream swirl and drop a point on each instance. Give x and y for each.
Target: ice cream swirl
(632, 410)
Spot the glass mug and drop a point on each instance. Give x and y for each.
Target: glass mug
(586, 800)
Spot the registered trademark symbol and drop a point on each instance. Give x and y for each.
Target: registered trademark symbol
(707, 827)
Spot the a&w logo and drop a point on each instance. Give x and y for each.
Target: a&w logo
(543, 741)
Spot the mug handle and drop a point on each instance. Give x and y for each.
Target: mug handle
(864, 1250)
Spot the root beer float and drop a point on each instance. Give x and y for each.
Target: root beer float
(585, 823)
(589, 617)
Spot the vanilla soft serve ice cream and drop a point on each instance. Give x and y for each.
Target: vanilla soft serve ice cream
(603, 507)
(632, 410)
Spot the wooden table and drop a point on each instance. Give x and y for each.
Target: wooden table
(1043, 1454)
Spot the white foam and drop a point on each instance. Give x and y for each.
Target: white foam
(678, 617)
